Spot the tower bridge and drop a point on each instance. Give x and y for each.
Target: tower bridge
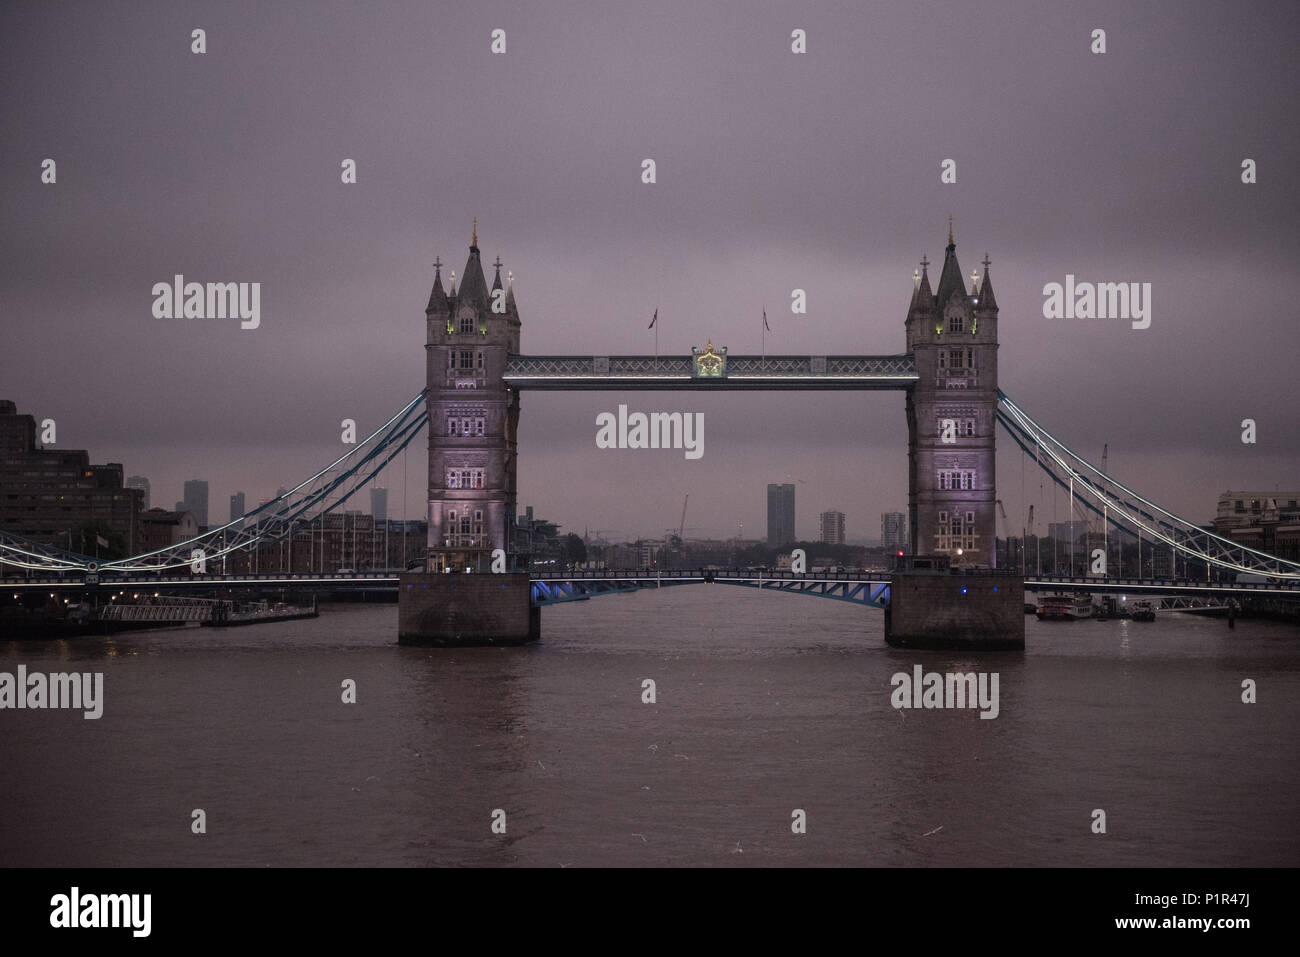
(470, 411)
(476, 372)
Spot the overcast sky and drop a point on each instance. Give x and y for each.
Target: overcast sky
(775, 170)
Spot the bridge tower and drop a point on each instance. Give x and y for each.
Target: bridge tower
(473, 417)
(473, 470)
(951, 415)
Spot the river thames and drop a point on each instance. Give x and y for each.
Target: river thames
(765, 704)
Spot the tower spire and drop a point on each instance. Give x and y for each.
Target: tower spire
(473, 242)
(950, 242)
(437, 298)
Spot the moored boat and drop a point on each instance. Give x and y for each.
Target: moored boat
(1144, 609)
(1065, 607)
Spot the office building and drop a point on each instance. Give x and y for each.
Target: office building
(831, 528)
(780, 515)
(196, 501)
(893, 530)
(379, 504)
(141, 483)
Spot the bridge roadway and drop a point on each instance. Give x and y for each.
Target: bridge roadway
(868, 588)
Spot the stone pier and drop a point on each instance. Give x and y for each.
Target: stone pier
(464, 610)
(948, 609)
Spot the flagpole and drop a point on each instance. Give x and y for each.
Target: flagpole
(654, 324)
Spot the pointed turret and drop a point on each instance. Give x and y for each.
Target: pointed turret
(496, 282)
(437, 298)
(511, 309)
(473, 287)
(987, 301)
(950, 280)
(923, 299)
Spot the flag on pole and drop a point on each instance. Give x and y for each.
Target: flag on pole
(654, 320)
(766, 327)
(101, 541)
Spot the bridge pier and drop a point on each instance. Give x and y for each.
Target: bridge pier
(453, 610)
(937, 609)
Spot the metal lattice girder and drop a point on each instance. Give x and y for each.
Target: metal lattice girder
(324, 492)
(873, 593)
(21, 553)
(1160, 586)
(1128, 511)
(742, 372)
(859, 589)
(552, 591)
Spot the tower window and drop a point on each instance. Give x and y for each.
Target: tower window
(480, 359)
(466, 322)
(955, 322)
(466, 359)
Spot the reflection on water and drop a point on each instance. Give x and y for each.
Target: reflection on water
(766, 703)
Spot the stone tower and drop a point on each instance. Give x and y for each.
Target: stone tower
(473, 417)
(951, 415)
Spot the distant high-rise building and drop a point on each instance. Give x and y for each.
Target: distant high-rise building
(196, 501)
(237, 506)
(1066, 531)
(780, 515)
(832, 528)
(379, 503)
(142, 483)
(893, 530)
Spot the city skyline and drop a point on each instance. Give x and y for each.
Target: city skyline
(731, 226)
